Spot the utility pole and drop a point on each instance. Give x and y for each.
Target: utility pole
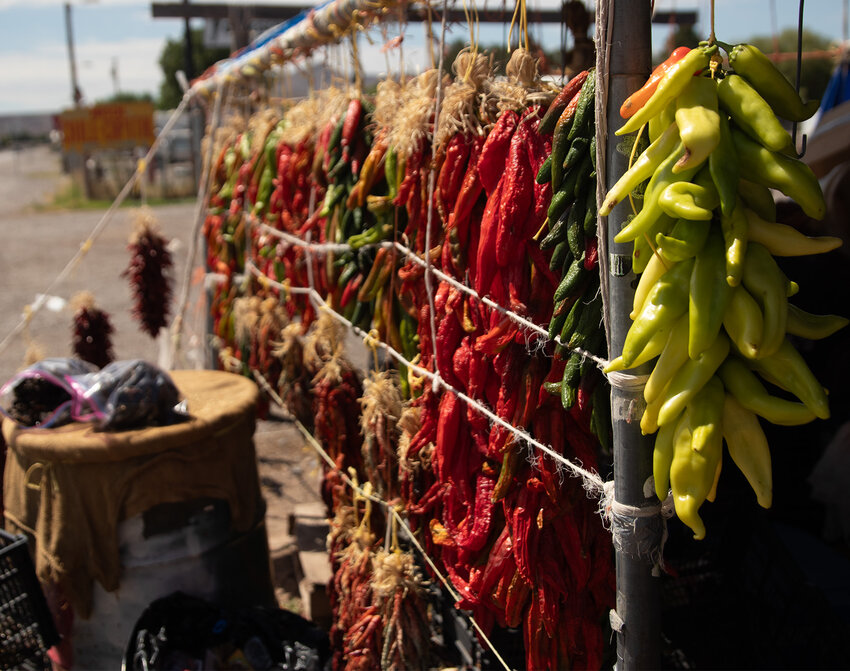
(76, 94)
(188, 67)
(114, 73)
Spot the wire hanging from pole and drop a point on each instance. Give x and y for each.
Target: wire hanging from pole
(797, 80)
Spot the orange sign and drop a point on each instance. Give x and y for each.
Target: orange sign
(108, 126)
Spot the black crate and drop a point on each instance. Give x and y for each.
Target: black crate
(26, 625)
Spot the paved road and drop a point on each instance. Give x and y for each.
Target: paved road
(37, 245)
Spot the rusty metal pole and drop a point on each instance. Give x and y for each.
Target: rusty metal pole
(624, 59)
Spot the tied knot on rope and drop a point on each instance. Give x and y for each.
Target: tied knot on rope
(626, 381)
(639, 532)
(371, 340)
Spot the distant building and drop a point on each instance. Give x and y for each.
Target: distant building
(26, 126)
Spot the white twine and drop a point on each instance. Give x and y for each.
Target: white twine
(324, 248)
(627, 381)
(591, 480)
(628, 535)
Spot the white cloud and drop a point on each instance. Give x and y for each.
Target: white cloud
(42, 80)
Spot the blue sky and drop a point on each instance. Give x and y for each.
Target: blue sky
(122, 34)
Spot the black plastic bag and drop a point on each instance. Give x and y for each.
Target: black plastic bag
(184, 632)
(134, 394)
(45, 394)
(123, 395)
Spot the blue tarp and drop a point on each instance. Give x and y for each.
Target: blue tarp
(269, 35)
(838, 88)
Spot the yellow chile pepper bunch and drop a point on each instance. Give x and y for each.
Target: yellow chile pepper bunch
(711, 307)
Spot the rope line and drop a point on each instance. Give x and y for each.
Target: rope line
(324, 248)
(591, 480)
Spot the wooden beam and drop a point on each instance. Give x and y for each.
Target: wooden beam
(676, 18)
(201, 10)
(415, 14)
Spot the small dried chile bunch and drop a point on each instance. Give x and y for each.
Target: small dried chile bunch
(149, 274)
(92, 337)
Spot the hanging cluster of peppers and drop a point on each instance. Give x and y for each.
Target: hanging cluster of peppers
(712, 305)
(426, 229)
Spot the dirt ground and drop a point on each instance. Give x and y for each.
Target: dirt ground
(38, 243)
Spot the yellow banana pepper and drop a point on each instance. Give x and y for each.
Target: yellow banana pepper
(699, 122)
(744, 322)
(785, 240)
(748, 390)
(748, 448)
(767, 284)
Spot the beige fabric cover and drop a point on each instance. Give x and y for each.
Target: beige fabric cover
(69, 487)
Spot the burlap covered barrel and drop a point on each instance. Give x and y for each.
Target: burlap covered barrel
(73, 489)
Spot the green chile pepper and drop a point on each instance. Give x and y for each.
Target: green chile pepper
(707, 416)
(748, 447)
(672, 358)
(660, 122)
(653, 348)
(651, 210)
(785, 240)
(390, 172)
(642, 169)
(789, 175)
(744, 322)
(723, 166)
(641, 254)
(655, 268)
(585, 107)
(811, 326)
(684, 240)
(751, 113)
(698, 120)
(677, 77)
(748, 390)
(698, 449)
(665, 303)
(690, 378)
(766, 282)
(686, 200)
(734, 228)
(786, 368)
(749, 62)
(758, 198)
(662, 457)
(264, 190)
(709, 295)
(642, 251)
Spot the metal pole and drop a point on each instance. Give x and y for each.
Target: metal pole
(624, 47)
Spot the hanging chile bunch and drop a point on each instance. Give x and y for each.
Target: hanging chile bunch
(148, 273)
(92, 340)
